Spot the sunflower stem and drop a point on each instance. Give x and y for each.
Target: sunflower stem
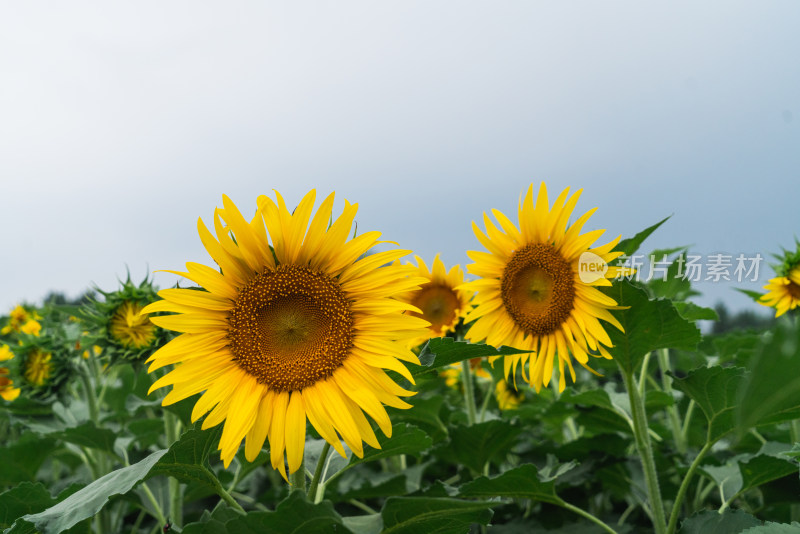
(469, 392)
(224, 495)
(312, 488)
(588, 516)
(298, 478)
(172, 431)
(672, 411)
(645, 450)
(676, 507)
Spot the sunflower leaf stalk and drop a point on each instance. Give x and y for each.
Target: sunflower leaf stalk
(469, 391)
(645, 449)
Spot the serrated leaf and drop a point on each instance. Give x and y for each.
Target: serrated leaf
(443, 351)
(413, 515)
(715, 390)
(88, 501)
(649, 325)
(27, 498)
(406, 439)
(475, 445)
(524, 482)
(186, 459)
(630, 245)
(771, 393)
(293, 515)
(774, 528)
(712, 522)
(693, 312)
(765, 468)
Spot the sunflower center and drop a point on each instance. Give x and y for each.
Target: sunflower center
(438, 304)
(794, 290)
(38, 367)
(129, 328)
(291, 327)
(538, 289)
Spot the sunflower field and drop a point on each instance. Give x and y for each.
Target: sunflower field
(312, 378)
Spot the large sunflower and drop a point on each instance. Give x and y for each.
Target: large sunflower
(300, 323)
(438, 300)
(530, 295)
(783, 292)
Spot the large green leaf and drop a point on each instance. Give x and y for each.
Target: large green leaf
(414, 515)
(475, 445)
(632, 244)
(771, 393)
(649, 325)
(406, 439)
(442, 351)
(774, 528)
(22, 460)
(715, 391)
(524, 482)
(88, 435)
(186, 459)
(89, 500)
(712, 522)
(27, 498)
(294, 515)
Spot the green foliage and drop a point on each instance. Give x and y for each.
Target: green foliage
(715, 390)
(412, 515)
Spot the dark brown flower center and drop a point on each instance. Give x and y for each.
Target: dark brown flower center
(794, 290)
(438, 304)
(538, 289)
(291, 327)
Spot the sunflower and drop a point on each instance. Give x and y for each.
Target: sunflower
(7, 390)
(22, 320)
(508, 397)
(783, 292)
(131, 329)
(530, 295)
(38, 368)
(438, 300)
(299, 328)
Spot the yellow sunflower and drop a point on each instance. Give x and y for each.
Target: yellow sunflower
(530, 294)
(438, 300)
(783, 292)
(7, 390)
(38, 367)
(131, 329)
(299, 324)
(508, 397)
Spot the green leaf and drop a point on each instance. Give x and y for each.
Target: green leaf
(294, 515)
(475, 445)
(186, 459)
(27, 498)
(774, 528)
(413, 515)
(406, 439)
(524, 482)
(364, 524)
(22, 460)
(88, 435)
(424, 414)
(630, 245)
(443, 351)
(89, 500)
(715, 391)
(692, 312)
(712, 522)
(771, 393)
(765, 468)
(649, 325)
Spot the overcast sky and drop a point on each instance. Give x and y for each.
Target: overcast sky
(122, 123)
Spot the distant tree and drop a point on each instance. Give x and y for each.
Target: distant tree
(742, 320)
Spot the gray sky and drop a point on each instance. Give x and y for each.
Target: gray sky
(121, 123)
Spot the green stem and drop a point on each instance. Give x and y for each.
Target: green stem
(644, 372)
(672, 411)
(156, 506)
(312, 488)
(91, 398)
(298, 478)
(224, 495)
(588, 516)
(469, 393)
(676, 507)
(487, 396)
(645, 450)
(361, 506)
(172, 431)
(687, 420)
